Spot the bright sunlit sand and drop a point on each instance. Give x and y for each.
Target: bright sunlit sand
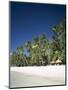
(37, 75)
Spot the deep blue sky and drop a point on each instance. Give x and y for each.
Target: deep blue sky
(29, 20)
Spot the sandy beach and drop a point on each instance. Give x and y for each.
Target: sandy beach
(37, 76)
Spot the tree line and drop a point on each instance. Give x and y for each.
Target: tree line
(42, 51)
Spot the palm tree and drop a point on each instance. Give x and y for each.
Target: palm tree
(35, 51)
(59, 38)
(43, 46)
(28, 47)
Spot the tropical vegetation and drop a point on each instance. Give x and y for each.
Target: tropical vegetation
(42, 51)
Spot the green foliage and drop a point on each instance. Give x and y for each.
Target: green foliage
(41, 51)
(59, 41)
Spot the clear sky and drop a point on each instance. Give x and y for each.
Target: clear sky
(29, 20)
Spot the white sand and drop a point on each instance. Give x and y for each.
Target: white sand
(37, 75)
(47, 71)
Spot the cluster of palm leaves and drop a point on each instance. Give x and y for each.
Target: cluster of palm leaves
(42, 51)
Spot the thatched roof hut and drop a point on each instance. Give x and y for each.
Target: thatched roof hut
(58, 61)
(52, 62)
